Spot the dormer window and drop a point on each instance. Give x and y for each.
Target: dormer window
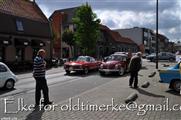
(19, 25)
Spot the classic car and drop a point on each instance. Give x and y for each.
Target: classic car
(161, 56)
(83, 63)
(7, 77)
(116, 63)
(172, 76)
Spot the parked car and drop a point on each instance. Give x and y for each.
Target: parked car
(116, 63)
(7, 77)
(83, 63)
(171, 76)
(161, 56)
(121, 53)
(144, 55)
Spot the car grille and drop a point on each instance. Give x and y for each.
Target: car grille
(108, 67)
(76, 67)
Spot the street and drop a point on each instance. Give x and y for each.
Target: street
(95, 89)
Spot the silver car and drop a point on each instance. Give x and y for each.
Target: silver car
(162, 56)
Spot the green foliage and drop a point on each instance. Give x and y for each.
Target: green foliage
(68, 37)
(87, 29)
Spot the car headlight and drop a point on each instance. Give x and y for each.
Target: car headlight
(101, 66)
(116, 66)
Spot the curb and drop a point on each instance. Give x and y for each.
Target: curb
(131, 97)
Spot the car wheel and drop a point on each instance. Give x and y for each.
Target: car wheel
(176, 85)
(67, 71)
(9, 84)
(86, 70)
(121, 71)
(171, 59)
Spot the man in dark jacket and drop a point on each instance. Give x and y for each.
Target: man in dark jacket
(134, 67)
(39, 68)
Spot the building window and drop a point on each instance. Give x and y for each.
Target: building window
(19, 54)
(19, 25)
(145, 34)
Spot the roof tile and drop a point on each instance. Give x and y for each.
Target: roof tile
(116, 36)
(22, 8)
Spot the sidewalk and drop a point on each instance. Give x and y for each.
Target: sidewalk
(118, 90)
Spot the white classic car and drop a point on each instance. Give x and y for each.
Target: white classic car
(7, 77)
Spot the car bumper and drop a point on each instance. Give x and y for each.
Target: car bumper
(74, 69)
(108, 70)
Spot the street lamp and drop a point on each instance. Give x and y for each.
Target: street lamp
(156, 34)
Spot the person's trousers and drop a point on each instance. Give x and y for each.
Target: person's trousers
(41, 85)
(133, 78)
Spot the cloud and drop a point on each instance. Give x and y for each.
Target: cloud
(172, 30)
(45, 10)
(125, 19)
(128, 13)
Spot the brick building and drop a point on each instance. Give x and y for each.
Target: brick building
(24, 29)
(61, 20)
(111, 41)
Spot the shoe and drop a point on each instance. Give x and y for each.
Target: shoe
(36, 106)
(135, 86)
(130, 86)
(48, 103)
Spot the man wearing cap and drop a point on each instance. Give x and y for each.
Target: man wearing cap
(134, 67)
(39, 68)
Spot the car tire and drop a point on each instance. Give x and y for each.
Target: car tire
(86, 70)
(121, 71)
(67, 72)
(9, 84)
(171, 59)
(176, 85)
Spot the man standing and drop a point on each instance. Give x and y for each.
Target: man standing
(39, 68)
(134, 67)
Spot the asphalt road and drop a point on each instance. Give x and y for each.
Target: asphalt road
(61, 87)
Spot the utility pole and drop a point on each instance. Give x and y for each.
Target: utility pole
(156, 34)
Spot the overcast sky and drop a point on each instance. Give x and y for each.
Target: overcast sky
(128, 13)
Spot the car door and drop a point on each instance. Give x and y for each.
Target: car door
(89, 64)
(94, 63)
(164, 56)
(3, 75)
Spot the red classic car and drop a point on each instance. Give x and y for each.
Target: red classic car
(115, 63)
(83, 63)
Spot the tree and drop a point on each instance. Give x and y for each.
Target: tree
(68, 37)
(87, 29)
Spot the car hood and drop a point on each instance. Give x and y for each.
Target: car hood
(75, 63)
(110, 62)
(172, 68)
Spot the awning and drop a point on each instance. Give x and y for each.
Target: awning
(37, 43)
(5, 41)
(21, 42)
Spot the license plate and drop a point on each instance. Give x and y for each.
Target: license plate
(71, 68)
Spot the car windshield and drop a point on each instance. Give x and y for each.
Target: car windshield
(115, 57)
(82, 58)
